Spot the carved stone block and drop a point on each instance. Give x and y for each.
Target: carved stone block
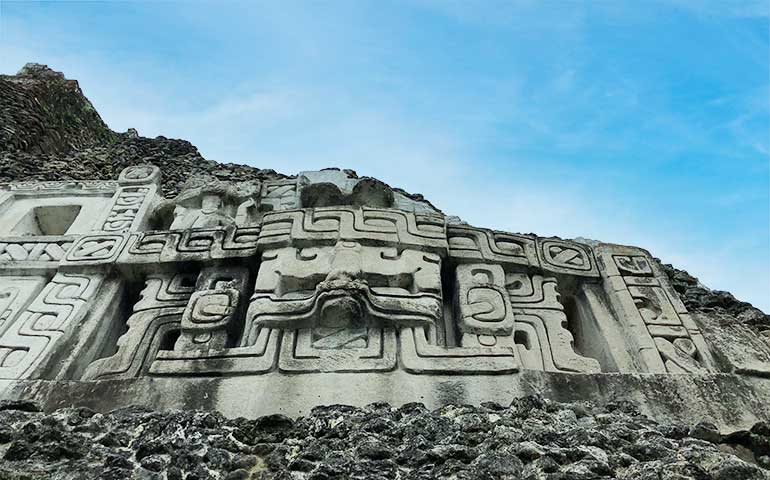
(158, 311)
(34, 249)
(279, 195)
(492, 355)
(95, 249)
(469, 244)
(666, 337)
(482, 301)
(212, 318)
(338, 349)
(191, 245)
(15, 293)
(140, 175)
(257, 358)
(325, 226)
(126, 208)
(560, 256)
(34, 333)
(345, 285)
(543, 338)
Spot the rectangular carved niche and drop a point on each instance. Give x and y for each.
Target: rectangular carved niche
(46, 216)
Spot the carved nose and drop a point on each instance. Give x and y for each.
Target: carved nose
(346, 264)
(341, 312)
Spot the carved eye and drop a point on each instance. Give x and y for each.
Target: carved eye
(322, 194)
(481, 276)
(509, 246)
(372, 193)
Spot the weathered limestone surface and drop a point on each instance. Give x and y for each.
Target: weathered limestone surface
(531, 439)
(251, 293)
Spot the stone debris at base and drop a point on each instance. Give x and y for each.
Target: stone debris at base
(531, 439)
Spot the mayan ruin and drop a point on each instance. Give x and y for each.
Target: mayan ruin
(134, 272)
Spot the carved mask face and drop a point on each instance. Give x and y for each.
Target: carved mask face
(348, 285)
(210, 203)
(179, 211)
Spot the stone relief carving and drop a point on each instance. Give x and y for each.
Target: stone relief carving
(327, 225)
(125, 209)
(666, 336)
(545, 341)
(483, 306)
(158, 311)
(279, 195)
(34, 249)
(468, 244)
(560, 256)
(15, 292)
(50, 316)
(210, 320)
(347, 298)
(206, 202)
(325, 273)
(191, 245)
(348, 285)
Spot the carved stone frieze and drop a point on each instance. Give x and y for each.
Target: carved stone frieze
(191, 245)
(279, 195)
(34, 249)
(469, 244)
(212, 317)
(544, 339)
(325, 226)
(206, 202)
(155, 316)
(323, 273)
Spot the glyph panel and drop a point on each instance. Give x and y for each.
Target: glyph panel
(561, 256)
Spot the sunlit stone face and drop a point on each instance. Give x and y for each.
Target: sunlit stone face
(346, 286)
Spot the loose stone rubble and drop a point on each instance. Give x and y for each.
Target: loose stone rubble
(134, 272)
(530, 439)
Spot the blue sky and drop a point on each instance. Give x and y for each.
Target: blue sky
(643, 123)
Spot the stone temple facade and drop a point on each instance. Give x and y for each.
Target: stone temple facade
(274, 296)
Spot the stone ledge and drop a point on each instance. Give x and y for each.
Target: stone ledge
(731, 402)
